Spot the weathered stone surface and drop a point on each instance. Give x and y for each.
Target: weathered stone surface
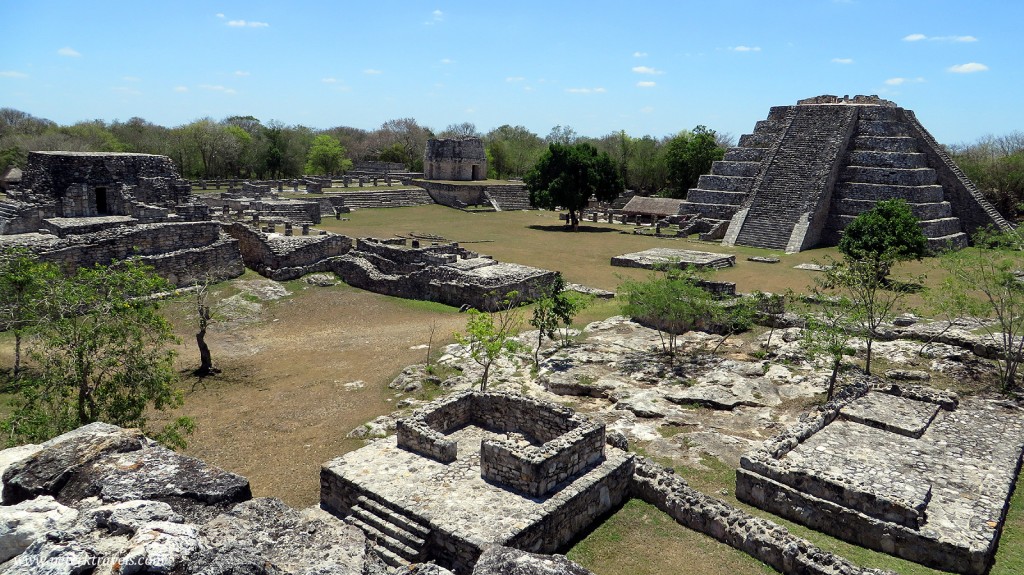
(13, 455)
(159, 548)
(497, 560)
(54, 554)
(125, 518)
(58, 460)
(190, 486)
(654, 257)
(27, 521)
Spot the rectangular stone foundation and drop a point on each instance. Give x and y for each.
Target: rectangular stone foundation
(464, 512)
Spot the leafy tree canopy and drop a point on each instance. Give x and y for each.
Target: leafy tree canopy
(889, 231)
(688, 155)
(568, 175)
(327, 156)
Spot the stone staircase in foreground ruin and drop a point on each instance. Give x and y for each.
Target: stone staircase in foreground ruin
(398, 538)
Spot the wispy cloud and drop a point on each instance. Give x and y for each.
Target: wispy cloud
(242, 73)
(742, 48)
(968, 68)
(586, 90)
(646, 84)
(247, 24)
(639, 54)
(329, 80)
(901, 81)
(12, 74)
(69, 52)
(842, 60)
(515, 79)
(436, 17)
(920, 37)
(447, 61)
(127, 91)
(180, 89)
(647, 70)
(220, 15)
(646, 109)
(372, 72)
(217, 88)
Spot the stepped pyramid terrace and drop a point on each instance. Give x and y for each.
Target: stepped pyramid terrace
(808, 170)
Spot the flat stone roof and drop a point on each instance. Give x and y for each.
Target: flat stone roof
(453, 496)
(648, 259)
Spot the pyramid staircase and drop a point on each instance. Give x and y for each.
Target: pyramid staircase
(720, 194)
(884, 162)
(509, 197)
(398, 538)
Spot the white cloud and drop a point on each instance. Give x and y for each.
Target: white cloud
(470, 110)
(220, 15)
(180, 89)
(586, 90)
(372, 71)
(646, 84)
(646, 109)
(126, 91)
(968, 68)
(329, 80)
(241, 73)
(217, 88)
(639, 54)
(842, 60)
(447, 61)
(646, 70)
(901, 81)
(69, 52)
(515, 79)
(919, 37)
(435, 17)
(742, 48)
(131, 78)
(12, 74)
(247, 24)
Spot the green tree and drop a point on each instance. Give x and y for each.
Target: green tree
(490, 336)
(568, 175)
(671, 301)
(687, 156)
(23, 281)
(513, 150)
(327, 156)
(883, 235)
(984, 287)
(102, 355)
(829, 328)
(556, 306)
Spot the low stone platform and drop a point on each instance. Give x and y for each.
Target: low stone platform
(63, 227)
(649, 259)
(420, 508)
(908, 474)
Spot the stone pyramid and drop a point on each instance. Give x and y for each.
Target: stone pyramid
(809, 169)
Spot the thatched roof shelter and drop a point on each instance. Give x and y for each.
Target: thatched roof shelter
(653, 207)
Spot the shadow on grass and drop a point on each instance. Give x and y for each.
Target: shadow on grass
(563, 228)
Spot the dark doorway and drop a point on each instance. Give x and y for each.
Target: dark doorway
(101, 202)
(476, 172)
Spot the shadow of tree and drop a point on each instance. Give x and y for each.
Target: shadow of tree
(564, 228)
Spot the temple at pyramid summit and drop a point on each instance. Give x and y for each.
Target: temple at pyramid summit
(808, 170)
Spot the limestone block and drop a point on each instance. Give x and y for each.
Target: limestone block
(28, 521)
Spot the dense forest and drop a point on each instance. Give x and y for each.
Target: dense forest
(245, 147)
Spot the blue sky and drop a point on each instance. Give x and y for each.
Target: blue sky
(644, 67)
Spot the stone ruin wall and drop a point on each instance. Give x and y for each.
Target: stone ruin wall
(286, 258)
(455, 159)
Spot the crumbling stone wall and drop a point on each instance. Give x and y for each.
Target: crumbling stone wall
(455, 159)
(287, 257)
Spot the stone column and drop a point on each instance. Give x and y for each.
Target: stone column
(305, 229)
(593, 216)
(609, 214)
(271, 227)
(287, 228)
(416, 243)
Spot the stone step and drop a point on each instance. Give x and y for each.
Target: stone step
(395, 516)
(701, 196)
(912, 194)
(755, 140)
(725, 183)
(383, 541)
(921, 211)
(744, 154)
(955, 241)
(709, 211)
(386, 526)
(734, 168)
(885, 143)
(882, 128)
(936, 228)
(882, 159)
(892, 176)
(883, 113)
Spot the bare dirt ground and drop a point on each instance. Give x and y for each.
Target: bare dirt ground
(290, 388)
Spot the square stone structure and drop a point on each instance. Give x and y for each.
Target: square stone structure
(909, 472)
(649, 259)
(475, 469)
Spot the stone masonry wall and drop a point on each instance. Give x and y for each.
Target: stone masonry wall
(455, 159)
(287, 257)
(538, 470)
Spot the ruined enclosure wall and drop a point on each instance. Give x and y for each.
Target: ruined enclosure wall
(423, 433)
(460, 160)
(538, 470)
(285, 258)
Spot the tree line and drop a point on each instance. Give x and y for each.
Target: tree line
(996, 165)
(245, 147)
